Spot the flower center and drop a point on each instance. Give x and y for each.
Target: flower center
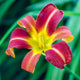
(40, 42)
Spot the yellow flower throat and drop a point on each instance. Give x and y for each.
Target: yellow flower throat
(40, 41)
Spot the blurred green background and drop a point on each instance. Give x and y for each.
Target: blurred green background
(10, 12)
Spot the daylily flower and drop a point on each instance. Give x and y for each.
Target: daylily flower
(39, 36)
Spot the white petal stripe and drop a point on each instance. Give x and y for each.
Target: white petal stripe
(18, 38)
(59, 53)
(50, 17)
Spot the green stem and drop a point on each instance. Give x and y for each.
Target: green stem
(43, 53)
(74, 74)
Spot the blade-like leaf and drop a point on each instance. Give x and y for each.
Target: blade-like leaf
(75, 60)
(4, 7)
(74, 25)
(40, 5)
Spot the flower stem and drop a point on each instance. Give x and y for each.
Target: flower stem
(69, 71)
(43, 54)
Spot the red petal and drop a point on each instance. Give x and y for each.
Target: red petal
(19, 40)
(19, 32)
(48, 18)
(18, 43)
(63, 32)
(28, 22)
(10, 52)
(29, 62)
(59, 55)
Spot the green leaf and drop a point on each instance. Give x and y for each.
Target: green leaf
(4, 7)
(75, 60)
(54, 73)
(74, 26)
(71, 13)
(13, 65)
(38, 73)
(0, 76)
(50, 71)
(40, 5)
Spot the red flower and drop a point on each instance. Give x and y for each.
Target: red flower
(39, 36)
